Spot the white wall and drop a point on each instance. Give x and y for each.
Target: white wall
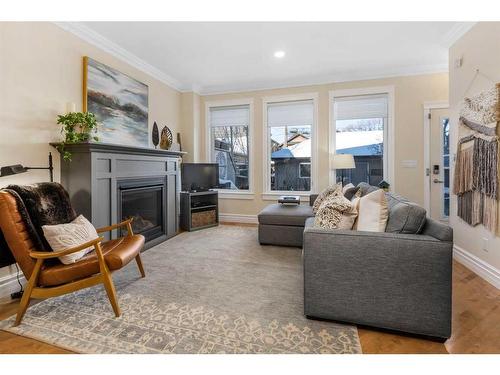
(479, 50)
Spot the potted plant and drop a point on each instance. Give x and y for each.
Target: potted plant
(76, 127)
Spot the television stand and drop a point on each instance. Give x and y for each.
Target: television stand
(199, 210)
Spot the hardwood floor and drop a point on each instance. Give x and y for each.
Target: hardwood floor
(476, 322)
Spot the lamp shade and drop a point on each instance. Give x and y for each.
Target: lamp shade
(343, 161)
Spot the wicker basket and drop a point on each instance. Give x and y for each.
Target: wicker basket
(203, 218)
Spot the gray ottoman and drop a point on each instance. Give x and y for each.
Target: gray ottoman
(283, 224)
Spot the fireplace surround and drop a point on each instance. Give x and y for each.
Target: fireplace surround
(108, 183)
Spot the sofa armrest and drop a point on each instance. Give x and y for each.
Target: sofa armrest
(387, 280)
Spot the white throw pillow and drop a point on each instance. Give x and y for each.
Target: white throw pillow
(65, 236)
(349, 217)
(372, 212)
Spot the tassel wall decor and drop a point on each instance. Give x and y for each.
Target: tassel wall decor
(476, 179)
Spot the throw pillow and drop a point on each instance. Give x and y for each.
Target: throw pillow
(331, 211)
(65, 236)
(334, 189)
(372, 212)
(347, 187)
(349, 216)
(351, 192)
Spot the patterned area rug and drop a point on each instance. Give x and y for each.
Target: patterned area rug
(212, 291)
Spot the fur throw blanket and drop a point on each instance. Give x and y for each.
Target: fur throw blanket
(45, 203)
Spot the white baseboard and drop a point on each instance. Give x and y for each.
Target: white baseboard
(8, 284)
(478, 266)
(236, 218)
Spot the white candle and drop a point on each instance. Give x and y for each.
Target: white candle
(70, 107)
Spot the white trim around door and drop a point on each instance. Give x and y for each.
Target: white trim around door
(428, 106)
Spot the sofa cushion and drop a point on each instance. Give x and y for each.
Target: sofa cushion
(352, 193)
(366, 188)
(280, 214)
(404, 216)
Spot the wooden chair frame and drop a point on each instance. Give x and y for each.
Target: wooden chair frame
(104, 275)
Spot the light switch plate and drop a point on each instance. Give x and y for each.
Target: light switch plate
(409, 163)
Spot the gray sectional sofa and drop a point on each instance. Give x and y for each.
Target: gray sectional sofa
(399, 280)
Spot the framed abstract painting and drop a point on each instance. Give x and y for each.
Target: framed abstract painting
(119, 102)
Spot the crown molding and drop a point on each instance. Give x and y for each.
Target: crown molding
(96, 39)
(456, 32)
(328, 79)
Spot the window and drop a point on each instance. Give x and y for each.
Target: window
(446, 166)
(360, 129)
(289, 135)
(229, 145)
(305, 170)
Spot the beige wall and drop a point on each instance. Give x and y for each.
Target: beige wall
(410, 94)
(477, 51)
(40, 71)
(190, 121)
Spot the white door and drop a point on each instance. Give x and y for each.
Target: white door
(439, 168)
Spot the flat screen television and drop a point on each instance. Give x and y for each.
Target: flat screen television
(199, 176)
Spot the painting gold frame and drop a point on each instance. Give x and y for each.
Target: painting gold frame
(85, 64)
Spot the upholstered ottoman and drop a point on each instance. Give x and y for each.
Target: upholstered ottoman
(283, 225)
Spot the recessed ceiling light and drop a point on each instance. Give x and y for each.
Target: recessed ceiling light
(279, 54)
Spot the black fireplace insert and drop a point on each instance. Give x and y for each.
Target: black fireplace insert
(143, 200)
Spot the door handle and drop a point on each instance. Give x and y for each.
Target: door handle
(436, 181)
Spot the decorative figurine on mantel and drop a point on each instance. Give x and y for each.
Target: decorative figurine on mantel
(166, 138)
(155, 135)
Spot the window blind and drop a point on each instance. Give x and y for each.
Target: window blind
(230, 116)
(299, 113)
(361, 107)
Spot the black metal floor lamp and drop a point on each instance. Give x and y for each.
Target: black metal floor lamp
(10, 170)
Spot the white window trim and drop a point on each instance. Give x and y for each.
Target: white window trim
(389, 141)
(225, 193)
(268, 194)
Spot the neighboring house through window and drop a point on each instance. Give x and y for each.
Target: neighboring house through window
(289, 138)
(229, 145)
(360, 125)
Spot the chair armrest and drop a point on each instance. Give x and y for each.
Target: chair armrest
(56, 254)
(124, 223)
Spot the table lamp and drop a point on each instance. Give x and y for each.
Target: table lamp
(341, 162)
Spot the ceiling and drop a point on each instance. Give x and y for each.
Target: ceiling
(215, 57)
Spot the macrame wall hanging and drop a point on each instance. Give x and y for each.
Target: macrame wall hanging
(476, 179)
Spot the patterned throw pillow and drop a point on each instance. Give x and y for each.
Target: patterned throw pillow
(65, 236)
(334, 189)
(331, 210)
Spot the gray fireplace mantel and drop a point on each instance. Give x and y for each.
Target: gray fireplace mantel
(115, 148)
(93, 176)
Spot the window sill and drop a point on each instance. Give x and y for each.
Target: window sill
(274, 195)
(224, 194)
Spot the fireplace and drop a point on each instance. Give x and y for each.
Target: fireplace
(143, 200)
